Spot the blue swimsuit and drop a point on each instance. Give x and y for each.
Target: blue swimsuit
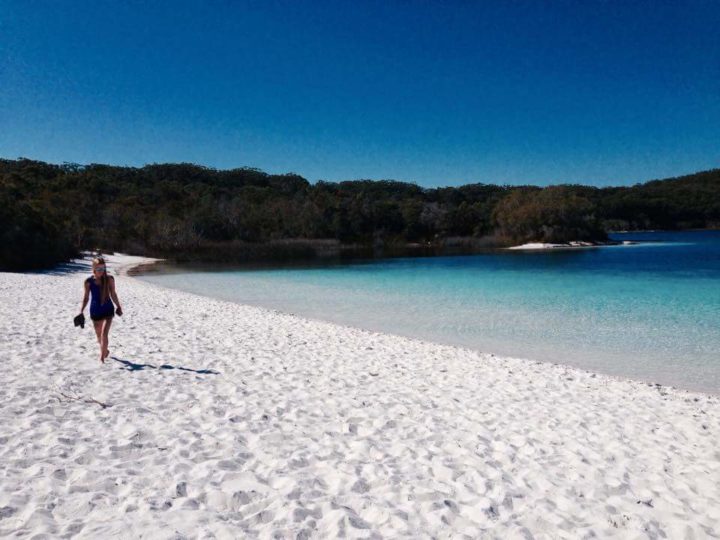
(99, 311)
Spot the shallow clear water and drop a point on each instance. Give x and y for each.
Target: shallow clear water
(649, 311)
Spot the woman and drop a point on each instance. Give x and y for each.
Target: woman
(102, 310)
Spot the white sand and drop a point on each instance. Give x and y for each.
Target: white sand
(548, 245)
(306, 429)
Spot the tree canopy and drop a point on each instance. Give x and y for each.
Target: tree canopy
(49, 212)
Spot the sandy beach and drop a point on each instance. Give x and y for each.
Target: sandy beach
(218, 420)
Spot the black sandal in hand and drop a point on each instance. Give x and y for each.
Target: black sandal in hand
(79, 320)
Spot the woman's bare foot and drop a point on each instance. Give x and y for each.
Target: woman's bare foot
(107, 353)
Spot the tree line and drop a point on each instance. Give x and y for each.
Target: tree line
(49, 212)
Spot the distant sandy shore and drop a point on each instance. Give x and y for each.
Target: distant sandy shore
(568, 245)
(218, 420)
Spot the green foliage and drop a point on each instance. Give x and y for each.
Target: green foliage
(49, 212)
(29, 240)
(552, 214)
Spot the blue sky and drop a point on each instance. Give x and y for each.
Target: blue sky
(438, 93)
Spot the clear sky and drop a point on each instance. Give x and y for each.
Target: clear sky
(438, 93)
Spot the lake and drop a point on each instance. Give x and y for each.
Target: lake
(649, 311)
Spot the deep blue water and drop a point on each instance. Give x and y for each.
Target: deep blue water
(649, 311)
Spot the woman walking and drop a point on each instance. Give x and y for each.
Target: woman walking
(102, 288)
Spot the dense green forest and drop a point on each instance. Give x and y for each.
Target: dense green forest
(48, 213)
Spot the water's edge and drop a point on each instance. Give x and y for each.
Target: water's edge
(628, 317)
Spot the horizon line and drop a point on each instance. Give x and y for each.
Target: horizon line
(312, 182)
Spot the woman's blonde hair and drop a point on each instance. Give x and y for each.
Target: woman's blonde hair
(104, 280)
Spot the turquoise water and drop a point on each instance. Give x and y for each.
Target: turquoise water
(649, 311)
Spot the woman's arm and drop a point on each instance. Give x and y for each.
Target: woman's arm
(114, 296)
(86, 295)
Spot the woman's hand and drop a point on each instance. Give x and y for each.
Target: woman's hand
(113, 296)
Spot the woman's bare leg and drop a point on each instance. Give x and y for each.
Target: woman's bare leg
(98, 326)
(105, 338)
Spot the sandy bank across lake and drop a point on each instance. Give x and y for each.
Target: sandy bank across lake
(218, 420)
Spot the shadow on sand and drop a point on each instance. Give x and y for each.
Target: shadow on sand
(132, 366)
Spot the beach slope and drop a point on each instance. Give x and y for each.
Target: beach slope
(216, 420)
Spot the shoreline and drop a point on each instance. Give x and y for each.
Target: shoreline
(661, 382)
(231, 420)
(469, 350)
(531, 246)
(137, 269)
(134, 269)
